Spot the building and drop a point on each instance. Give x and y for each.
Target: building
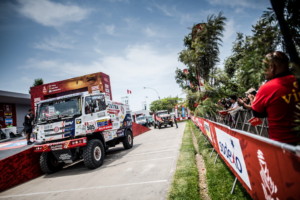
(13, 107)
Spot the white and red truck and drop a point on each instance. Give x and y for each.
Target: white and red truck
(77, 119)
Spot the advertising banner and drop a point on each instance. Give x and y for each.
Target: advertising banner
(93, 83)
(266, 169)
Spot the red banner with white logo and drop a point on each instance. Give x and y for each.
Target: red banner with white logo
(266, 169)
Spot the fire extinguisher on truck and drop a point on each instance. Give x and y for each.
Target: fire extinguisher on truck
(78, 121)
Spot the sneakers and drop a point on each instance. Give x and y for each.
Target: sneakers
(29, 143)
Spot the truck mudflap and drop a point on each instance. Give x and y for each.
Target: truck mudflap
(68, 144)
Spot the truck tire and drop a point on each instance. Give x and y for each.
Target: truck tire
(93, 154)
(171, 124)
(154, 125)
(49, 164)
(128, 140)
(159, 126)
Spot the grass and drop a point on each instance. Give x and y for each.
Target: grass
(219, 178)
(185, 183)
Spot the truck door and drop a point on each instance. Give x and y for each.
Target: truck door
(95, 116)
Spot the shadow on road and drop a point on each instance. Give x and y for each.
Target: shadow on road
(76, 168)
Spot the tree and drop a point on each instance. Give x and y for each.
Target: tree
(38, 81)
(201, 53)
(164, 104)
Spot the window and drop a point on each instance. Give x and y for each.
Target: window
(95, 103)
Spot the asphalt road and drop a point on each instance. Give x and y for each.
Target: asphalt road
(143, 172)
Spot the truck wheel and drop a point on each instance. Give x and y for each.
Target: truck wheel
(171, 124)
(49, 164)
(154, 125)
(93, 154)
(159, 126)
(128, 140)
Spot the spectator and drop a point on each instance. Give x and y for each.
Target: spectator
(175, 121)
(234, 107)
(247, 101)
(277, 98)
(28, 119)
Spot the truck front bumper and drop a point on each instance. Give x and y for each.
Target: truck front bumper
(68, 144)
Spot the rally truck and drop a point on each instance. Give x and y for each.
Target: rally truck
(162, 118)
(79, 126)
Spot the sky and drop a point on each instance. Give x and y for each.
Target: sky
(135, 42)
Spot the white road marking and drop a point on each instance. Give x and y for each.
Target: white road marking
(171, 157)
(87, 188)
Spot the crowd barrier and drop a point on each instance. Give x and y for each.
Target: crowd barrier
(24, 166)
(267, 169)
(241, 121)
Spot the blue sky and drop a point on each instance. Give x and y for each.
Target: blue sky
(136, 42)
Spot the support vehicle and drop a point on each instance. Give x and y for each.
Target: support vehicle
(162, 118)
(80, 125)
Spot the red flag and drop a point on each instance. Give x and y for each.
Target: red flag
(128, 91)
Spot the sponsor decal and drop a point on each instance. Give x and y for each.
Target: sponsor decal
(56, 129)
(207, 129)
(101, 114)
(44, 90)
(102, 122)
(115, 124)
(230, 148)
(78, 121)
(109, 135)
(268, 185)
(120, 132)
(65, 156)
(90, 127)
(56, 147)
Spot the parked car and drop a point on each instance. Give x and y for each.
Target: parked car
(142, 120)
(150, 121)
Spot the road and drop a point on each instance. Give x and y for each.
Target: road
(143, 172)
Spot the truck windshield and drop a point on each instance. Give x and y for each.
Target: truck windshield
(162, 113)
(141, 118)
(63, 108)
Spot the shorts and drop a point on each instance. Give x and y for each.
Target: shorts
(28, 129)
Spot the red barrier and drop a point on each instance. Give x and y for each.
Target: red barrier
(138, 129)
(19, 168)
(267, 169)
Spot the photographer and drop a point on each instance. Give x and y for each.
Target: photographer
(247, 101)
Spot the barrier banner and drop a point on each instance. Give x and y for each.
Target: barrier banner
(265, 168)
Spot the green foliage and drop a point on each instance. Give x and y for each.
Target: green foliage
(164, 104)
(242, 69)
(38, 81)
(201, 53)
(207, 109)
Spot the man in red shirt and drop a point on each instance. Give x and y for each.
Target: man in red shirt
(277, 99)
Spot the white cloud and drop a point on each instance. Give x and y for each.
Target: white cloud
(110, 29)
(229, 30)
(55, 44)
(239, 3)
(149, 32)
(138, 66)
(166, 10)
(50, 13)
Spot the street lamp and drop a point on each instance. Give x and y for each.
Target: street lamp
(154, 90)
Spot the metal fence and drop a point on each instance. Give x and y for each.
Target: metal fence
(241, 122)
